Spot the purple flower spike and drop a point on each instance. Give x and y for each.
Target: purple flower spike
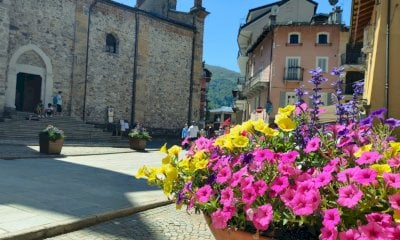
(379, 113)
(337, 71)
(393, 123)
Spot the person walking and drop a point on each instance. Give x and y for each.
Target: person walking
(184, 136)
(193, 132)
(59, 103)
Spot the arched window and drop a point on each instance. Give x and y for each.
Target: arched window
(322, 38)
(111, 43)
(294, 38)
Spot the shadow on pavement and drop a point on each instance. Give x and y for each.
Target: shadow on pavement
(46, 190)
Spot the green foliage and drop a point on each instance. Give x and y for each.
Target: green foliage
(139, 134)
(220, 88)
(53, 133)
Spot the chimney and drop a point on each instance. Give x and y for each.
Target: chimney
(198, 3)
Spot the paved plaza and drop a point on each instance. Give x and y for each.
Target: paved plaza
(45, 195)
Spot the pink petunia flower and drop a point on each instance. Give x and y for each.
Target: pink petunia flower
(224, 174)
(348, 174)
(331, 166)
(322, 179)
(260, 187)
(366, 176)
(246, 182)
(313, 145)
(289, 157)
(395, 201)
(248, 195)
(372, 231)
(328, 233)
(287, 169)
(331, 218)
(392, 179)
(203, 194)
(385, 220)
(280, 184)
(263, 155)
(263, 217)
(351, 234)
(349, 196)
(229, 210)
(368, 158)
(237, 176)
(202, 143)
(219, 219)
(226, 196)
(394, 162)
(302, 206)
(288, 196)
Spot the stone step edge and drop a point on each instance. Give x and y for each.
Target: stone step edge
(66, 226)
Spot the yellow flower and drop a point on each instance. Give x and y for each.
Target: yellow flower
(184, 164)
(363, 149)
(163, 149)
(247, 126)
(396, 216)
(200, 155)
(167, 188)
(240, 141)
(152, 175)
(201, 164)
(228, 144)
(141, 172)
(166, 160)
(286, 111)
(394, 150)
(381, 168)
(270, 132)
(259, 125)
(175, 150)
(286, 124)
(219, 142)
(171, 172)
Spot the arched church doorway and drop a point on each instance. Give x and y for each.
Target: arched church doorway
(28, 91)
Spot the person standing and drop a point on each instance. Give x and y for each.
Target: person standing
(59, 103)
(184, 135)
(193, 132)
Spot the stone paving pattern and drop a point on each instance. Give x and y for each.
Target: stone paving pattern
(163, 223)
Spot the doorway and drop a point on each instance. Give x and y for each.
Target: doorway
(28, 92)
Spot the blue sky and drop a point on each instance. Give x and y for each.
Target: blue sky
(222, 25)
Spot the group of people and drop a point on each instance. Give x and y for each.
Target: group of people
(49, 111)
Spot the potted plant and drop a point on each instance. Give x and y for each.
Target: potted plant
(301, 180)
(51, 140)
(138, 138)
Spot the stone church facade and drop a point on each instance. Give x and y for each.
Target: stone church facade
(144, 61)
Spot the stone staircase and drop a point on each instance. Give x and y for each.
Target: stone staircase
(18, 128)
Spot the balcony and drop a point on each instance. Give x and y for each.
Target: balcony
(293, 74)
(352, 58)
(256, 83)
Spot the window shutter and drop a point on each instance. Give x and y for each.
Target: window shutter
(282, 99)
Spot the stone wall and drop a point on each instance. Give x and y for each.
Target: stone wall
(49, 25)
(110, 75)
(164, 71)
(4, 32)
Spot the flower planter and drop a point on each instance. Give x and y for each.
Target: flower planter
(231, 234)
(50, 147)
(137, 144)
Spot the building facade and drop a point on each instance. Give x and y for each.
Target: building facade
(278, 46)
(375, 27)
(144, 62)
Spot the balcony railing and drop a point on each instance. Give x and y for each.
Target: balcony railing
(293, 74)
(352, 58)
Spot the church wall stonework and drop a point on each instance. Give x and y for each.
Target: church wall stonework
(165, 55)
(147, 80)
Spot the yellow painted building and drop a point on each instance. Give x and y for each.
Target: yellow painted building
(376, 23)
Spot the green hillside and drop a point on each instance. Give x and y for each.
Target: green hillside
(220, 88)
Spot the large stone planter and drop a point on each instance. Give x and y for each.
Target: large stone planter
(137, 144)
(50, 147)
(231, 234)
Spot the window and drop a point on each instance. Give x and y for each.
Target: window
(111, 43)
(290, 98)
(293, 69)
(322, 38)
(322, 62)
(294, 38)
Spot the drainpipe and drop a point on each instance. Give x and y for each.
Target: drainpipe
(135, 68)
(87, 58)
(191, 71)
(387, 66)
